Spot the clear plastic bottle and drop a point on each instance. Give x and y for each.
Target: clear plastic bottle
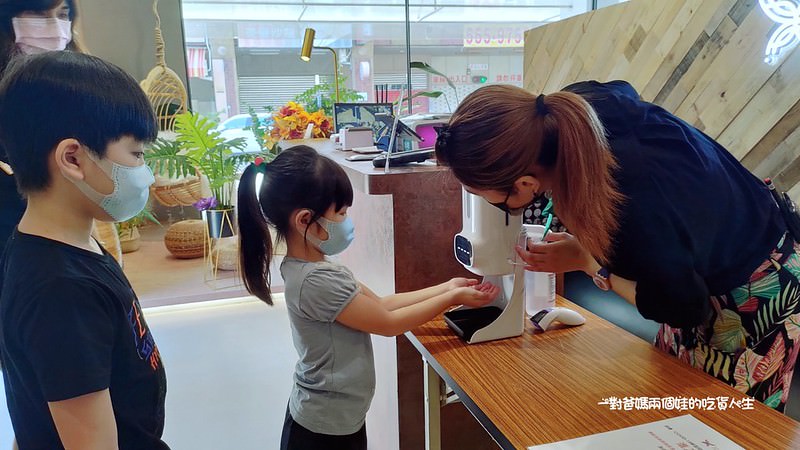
(540, 287)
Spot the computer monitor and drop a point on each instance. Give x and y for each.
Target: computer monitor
(360, 115)
(404, 134)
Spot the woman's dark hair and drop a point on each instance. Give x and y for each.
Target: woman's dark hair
(298, 178)
(500, 133)
(12, 8)
(52, 96)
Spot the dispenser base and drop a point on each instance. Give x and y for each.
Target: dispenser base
(465, 322)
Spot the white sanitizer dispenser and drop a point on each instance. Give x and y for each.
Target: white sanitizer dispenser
(485, 246)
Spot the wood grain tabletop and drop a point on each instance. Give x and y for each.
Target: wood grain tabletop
(549, 386)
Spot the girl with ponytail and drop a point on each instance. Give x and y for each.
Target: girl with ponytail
(305, 196)
(656, 211)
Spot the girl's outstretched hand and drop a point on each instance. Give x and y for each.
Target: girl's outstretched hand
(458, 282)
(476, 295)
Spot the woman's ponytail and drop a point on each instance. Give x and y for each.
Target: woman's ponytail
(255, 241)
(500, 133)
(585, 191)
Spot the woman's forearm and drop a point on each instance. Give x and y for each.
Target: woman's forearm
(624, 288)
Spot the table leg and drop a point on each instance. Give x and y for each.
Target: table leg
(433, 405)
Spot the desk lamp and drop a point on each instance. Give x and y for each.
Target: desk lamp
(305, 55)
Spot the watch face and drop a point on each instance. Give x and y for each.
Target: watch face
(601, 282)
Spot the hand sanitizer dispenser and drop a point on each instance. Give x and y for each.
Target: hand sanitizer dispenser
(484, 246)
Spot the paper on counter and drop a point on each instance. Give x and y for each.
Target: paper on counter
(678, 433)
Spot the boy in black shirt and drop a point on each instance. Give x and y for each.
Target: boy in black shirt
(80, 366)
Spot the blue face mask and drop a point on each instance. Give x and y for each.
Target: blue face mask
(340, 235)
(131, 189)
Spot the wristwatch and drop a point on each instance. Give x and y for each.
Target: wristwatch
(602, 279)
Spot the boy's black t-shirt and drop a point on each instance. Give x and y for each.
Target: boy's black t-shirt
(70, 324)
(11, 206)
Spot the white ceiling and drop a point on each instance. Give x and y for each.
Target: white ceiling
(421, 11)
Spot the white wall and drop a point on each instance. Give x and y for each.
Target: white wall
(122, 32)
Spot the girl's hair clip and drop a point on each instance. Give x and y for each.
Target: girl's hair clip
(260, 165)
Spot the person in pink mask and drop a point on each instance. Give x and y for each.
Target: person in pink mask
(35, 26)
(28, 27)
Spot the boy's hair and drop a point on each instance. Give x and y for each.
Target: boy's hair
(298, 178)
(53, 96)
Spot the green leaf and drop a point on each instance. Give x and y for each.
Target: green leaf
(740, 295)
(197, 134)
(138, 220)
(425, 67)
(774, 400)
(146, 214)
(767, 287)
(776, 309)
(322, 96)
(729, 335)
(164, 158)
(239, 143)
(429, 94)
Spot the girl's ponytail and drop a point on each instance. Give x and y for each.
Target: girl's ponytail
(255, 241)
(584, 188)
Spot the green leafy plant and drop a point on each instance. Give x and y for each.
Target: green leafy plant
(323, 96)
(199, 147)
(425, 67)
(261, 133)
(146, 215)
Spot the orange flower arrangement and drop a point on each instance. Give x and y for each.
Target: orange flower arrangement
(292, 120)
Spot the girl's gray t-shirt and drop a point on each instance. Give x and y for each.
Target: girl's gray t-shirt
(334, 379)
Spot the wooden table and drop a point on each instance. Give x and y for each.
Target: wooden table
(545, 387)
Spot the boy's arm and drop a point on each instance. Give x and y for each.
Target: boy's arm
(86, 422)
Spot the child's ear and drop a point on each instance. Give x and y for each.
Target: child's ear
(303, 219)
(69, 157)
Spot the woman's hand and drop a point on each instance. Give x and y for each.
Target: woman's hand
(456, 283)
(475, 296)
(560, 253)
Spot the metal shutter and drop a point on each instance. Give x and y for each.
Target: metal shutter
(274, 91)
(419, 80)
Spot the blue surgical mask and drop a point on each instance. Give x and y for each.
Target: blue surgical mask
(340, 235)
(131, 189)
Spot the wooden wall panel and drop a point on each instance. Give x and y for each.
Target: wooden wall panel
(701, 59)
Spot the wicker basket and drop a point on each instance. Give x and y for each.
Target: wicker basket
(226, 254)
(186, 239)
(106, 234)
(179, 193)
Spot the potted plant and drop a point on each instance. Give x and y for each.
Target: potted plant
(321, 96)
(129, 237)
(199, 148)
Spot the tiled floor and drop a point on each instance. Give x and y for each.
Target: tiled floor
(229, 365)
